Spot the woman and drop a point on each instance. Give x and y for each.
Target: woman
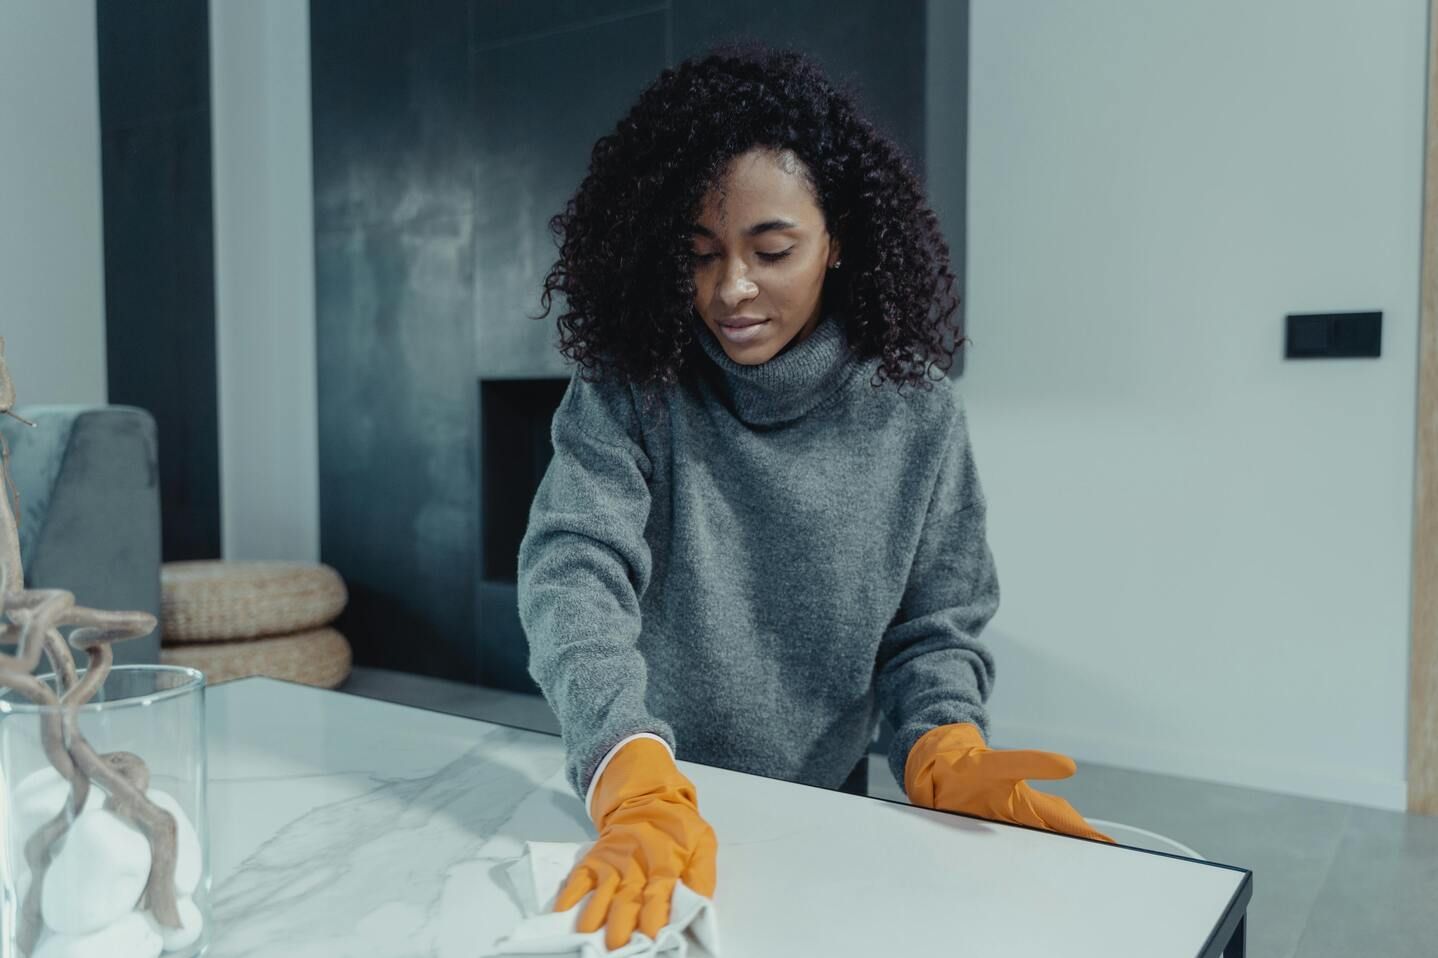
(762, 523)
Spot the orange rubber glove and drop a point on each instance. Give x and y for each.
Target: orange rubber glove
(650, 838)
(951, 769)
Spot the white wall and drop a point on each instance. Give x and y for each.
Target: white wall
(264, 279)
(1203, 549)
(52, 282)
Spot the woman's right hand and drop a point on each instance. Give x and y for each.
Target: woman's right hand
(651, 836)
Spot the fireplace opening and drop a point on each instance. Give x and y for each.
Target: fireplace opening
(514, 451)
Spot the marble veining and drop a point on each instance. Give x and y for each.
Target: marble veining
(343, 826)
(373, 874)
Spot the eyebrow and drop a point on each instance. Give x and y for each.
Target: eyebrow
(755, 230)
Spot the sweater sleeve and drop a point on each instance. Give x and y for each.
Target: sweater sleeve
(583, 565)
(932, 669)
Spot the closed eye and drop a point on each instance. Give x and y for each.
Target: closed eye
(767, 257)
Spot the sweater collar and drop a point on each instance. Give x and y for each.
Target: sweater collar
(789, 385)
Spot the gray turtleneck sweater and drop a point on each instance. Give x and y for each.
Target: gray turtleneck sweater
(756, 561)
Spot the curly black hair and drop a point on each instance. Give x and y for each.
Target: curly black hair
(625, 262)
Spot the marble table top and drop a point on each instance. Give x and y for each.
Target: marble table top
(342, 826)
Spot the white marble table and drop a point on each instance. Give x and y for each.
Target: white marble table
(346, 826)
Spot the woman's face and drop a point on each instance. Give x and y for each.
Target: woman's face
(761, 252)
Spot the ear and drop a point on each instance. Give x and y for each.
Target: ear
(833, 252)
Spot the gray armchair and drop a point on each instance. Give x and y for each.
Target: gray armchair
(88, 478)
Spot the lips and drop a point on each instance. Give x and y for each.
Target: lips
(743, 335)
(740, 322)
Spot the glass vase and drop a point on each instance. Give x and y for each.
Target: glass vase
(102, 808)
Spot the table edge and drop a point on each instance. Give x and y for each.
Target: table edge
(1243, 890)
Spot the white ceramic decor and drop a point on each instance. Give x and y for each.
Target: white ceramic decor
(98, 875)
(130, 937)
(40, 796)
(175, 939)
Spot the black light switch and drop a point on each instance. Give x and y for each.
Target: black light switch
(1329, 335)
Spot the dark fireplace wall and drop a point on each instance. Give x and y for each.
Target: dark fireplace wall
(446, 133)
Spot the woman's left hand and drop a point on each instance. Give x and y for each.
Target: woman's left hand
(951, 769)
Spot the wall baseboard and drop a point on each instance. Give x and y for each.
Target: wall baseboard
(1320, 784)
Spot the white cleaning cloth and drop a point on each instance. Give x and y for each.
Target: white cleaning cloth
(692, 932)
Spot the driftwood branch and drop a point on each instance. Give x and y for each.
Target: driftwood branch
(30, 620)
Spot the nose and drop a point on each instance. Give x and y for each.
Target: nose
(735, 286)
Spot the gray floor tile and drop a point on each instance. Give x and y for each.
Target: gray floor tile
(1287, 842)
(1381, 894)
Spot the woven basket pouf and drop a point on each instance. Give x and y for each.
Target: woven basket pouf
(320, 657)
(218, 600)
